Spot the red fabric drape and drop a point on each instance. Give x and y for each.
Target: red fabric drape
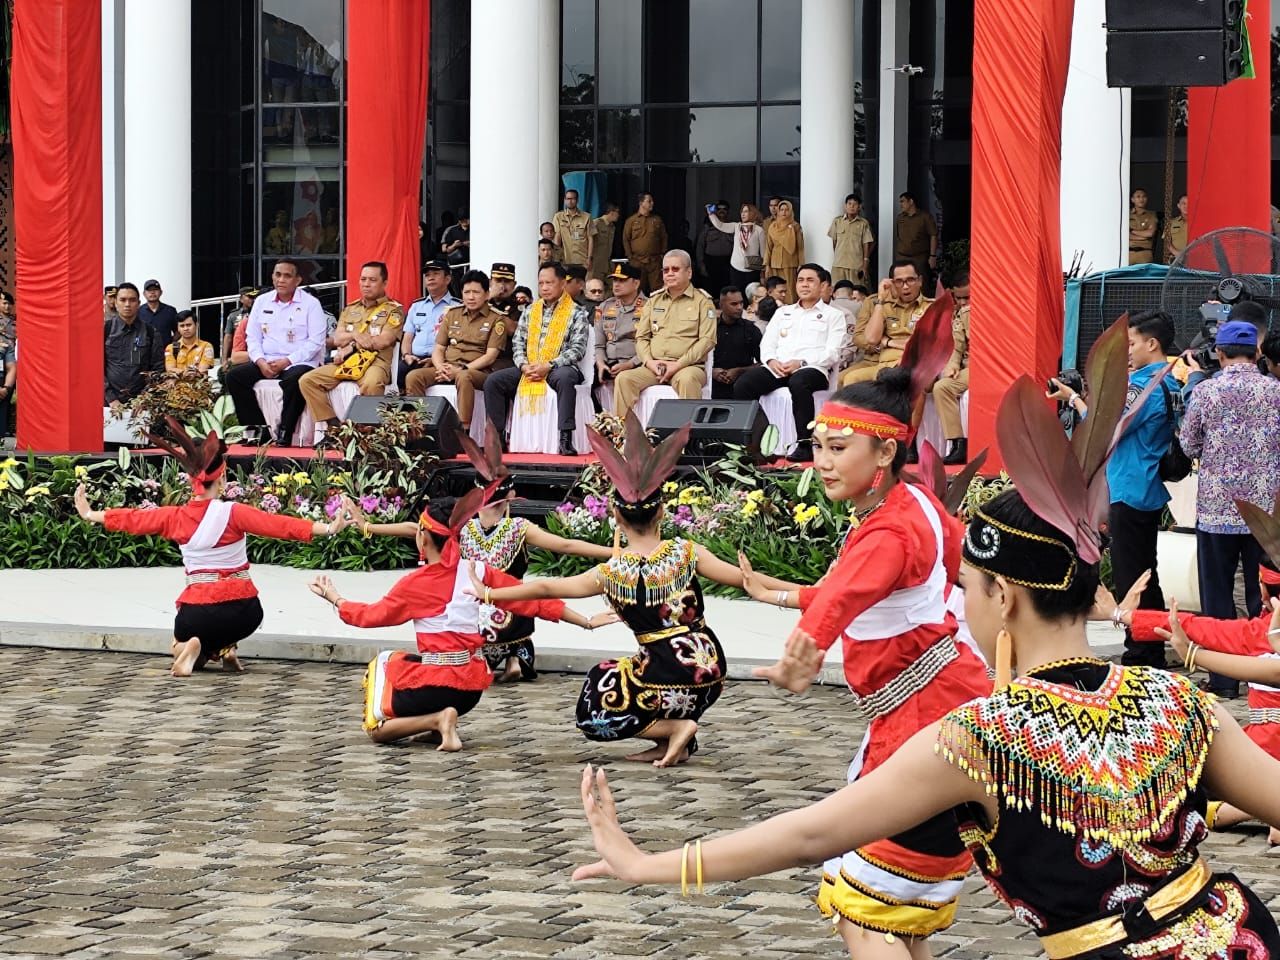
(56, 99)
(386, 129)
(1021, 49)
(1229, 145)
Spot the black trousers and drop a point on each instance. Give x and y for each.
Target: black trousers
(500, 389)
(1133, 550)
(1217, 557)
(803, 384)
(717, 274)
(6, 405)
(240, 381)
(740, 279)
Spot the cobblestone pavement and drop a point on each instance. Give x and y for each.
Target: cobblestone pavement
(248, 816)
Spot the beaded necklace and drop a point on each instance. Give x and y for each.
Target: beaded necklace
(666, 573)
(498, 547)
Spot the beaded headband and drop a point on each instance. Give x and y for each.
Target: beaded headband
(846, 420)
(1000, 550)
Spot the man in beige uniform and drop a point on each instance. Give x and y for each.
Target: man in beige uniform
(1175, 233)
(468, 343)
(644, 238)
(853, 239)
(1142, 229)
(886, 323)
(572, 231)
(370, 325)
(616, 324)
(675, 333)
(602, 229)
(954, 382)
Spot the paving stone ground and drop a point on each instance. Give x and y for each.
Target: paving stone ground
(249, 817)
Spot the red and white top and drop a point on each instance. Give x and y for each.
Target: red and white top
(886, 597)
(211, 536)
(445, 617)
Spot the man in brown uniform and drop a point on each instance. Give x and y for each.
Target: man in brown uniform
(616, 324)
(851, 234)
(366, 333)
(644, 238)
(602, 229)
(502, 289)
(676, 331)
(1142, 229)
(915, 235)
(1175, 233)
(468, 343)
(572, 231)
(954, 382)
(886, 323)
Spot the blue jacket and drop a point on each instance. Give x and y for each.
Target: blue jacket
(1133, 473)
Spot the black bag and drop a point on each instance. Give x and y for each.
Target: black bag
(1175, 465)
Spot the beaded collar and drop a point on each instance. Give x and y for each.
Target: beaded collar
(666, 573)
(498, 547)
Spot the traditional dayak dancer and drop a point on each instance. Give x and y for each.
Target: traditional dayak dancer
(499, 540)
(886, 596)
(660, 693)
(406, 694)
(1080, 787)
(220, 605)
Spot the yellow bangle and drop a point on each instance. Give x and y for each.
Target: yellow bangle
(698, 853)
(367, 530)
(684, 871)
(488, 593)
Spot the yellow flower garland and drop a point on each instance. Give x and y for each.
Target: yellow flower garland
(543, 346)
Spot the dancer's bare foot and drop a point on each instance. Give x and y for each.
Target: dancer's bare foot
(450, 742)
(185, 661)
(512, 673)
(231, 662)
(1273, 838)
(656, 752)
(678, 745)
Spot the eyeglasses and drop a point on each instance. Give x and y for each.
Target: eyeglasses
(672, 269)
(905, 281)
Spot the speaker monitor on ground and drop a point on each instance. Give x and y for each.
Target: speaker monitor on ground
(439, 418)
(717, 424)
(1174, 43)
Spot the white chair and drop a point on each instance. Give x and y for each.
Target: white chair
(650, 396)
(539, 433)
(270, 399)
(931, 427)
(478, 419)
(119, 428)
(340, 396)
(778, 409)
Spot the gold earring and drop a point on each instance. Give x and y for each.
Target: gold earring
(1004, 658)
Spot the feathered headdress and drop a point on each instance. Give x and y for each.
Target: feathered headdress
(933, 477)
(203, 464)
(1264, 526)
(488, 464)
(639, 469)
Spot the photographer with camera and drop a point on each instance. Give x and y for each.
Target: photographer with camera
(1068, 389)
(1201, 357)
(1231, 425)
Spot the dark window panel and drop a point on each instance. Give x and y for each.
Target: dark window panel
(577, 137)
(621, 136)
(782, 180)
(780, 41)
(780, 133)
(577, 52)
(302, 50)
(301, 135)
(301, 211)
(450, 57)
(620, 51)
(702, 135)
(723, 49)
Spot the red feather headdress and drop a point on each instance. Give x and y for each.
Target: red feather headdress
(933, 477)
(203, 464)
(639, 469)
(489, 466)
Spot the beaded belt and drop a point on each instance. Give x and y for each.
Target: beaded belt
(453, 658)
(669, 632)
(1166, 901)
(213, 576)
(911, 680)
(1264, 715)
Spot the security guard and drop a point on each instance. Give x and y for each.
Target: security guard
(471, 339)
(1142, 229)
(502, 286)
(894, 313)
(644, 238)
(573, 231)
(616, 324)
(364, 343)
(675, 333)
(1175, 233)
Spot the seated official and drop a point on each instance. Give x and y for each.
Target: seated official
(887, 321)
(675, 332)
(616, 324)
(549, 343)
(363, 342)
(800, 349)
(131, 349)
(737, 344)
(468, 343)
(188, 352)
(952, 385)
(422, 320)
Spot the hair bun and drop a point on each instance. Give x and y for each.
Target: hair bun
(895, 380)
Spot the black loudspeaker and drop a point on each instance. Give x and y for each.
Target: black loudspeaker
(716, 423)
(438, 416)
(1174, 43)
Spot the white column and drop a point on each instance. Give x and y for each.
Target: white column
(157, 146)
(894, 37)
(826, 120)
(509, 197)
(112, 141)
(1096, 141)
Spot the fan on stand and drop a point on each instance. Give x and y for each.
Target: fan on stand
(1214, 273)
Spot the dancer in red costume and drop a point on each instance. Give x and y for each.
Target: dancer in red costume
(219, 606)
(407, 694)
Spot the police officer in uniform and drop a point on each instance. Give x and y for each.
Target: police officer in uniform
(675, 333)
(616, 324)
(364, 342)
(470, 341)
(1142, 229)
(502, 286)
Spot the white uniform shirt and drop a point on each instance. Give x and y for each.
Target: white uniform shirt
(814, 335)
(295, 329)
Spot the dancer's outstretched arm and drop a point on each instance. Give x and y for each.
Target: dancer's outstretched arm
(713, 568)
(1241, 772)
(583, 585)
(535, 536)
(913, 785)
(406, 529)
(1251, 668)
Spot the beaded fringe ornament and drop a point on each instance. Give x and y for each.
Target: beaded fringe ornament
(1112, 766)
(665, 573)
(498, 547)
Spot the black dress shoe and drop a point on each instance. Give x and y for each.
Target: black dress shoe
(803, 453)
(958, 452)
(567, 447)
